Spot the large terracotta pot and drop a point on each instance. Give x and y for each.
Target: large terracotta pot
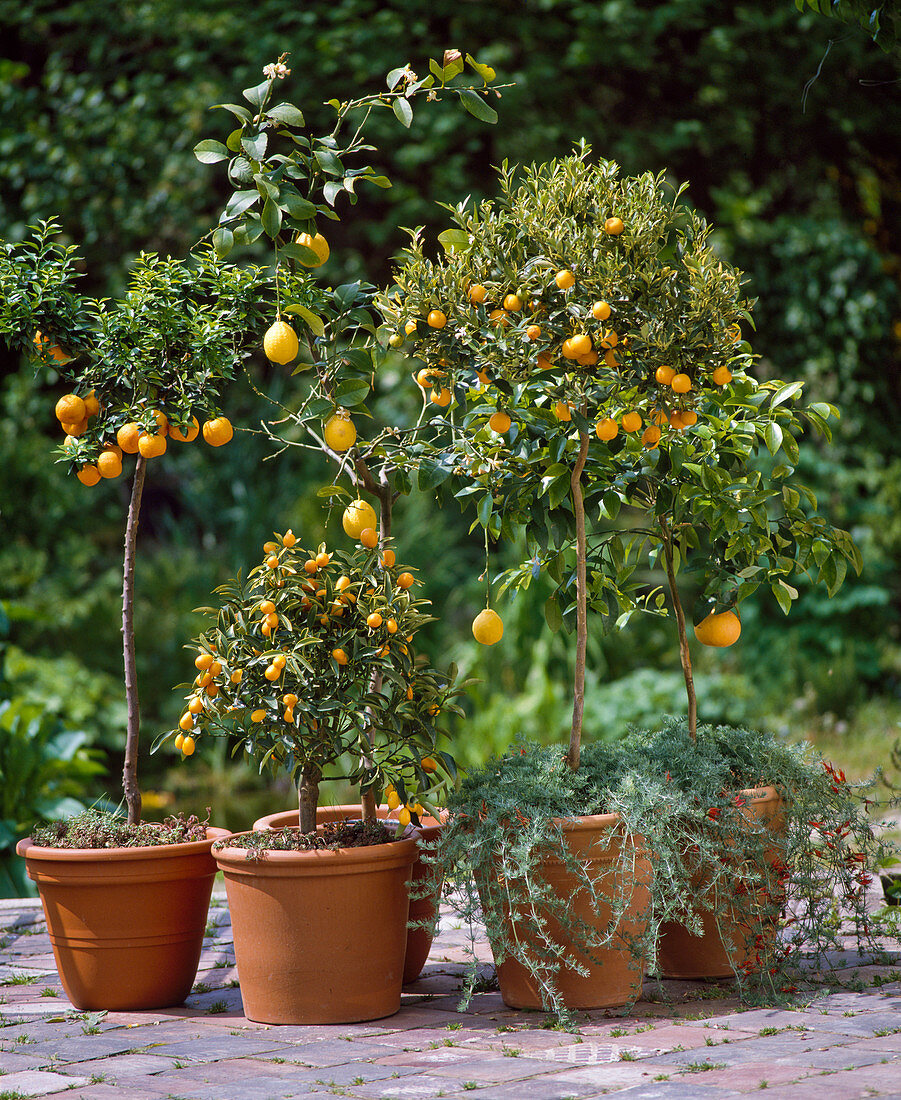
(425, 884)
(615, 973)
(319, 936)
(733, 931)
(126, 924)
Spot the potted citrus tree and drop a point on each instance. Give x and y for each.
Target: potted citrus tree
(603, 403)
(292, 655)
(126, 902)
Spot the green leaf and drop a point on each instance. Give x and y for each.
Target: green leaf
(257, 94)
(238, 111)
(210, 152)
(393, 78)
(297, 206)
(379, 181)
(559, 490)
(334, 491)
(331, 191)
(239, 202)
(272, 218)
(403, 111)
(223, 241)
(552, 614)
(254, 144)
(314, 323)
(287, 113)
(785, 393)
(453, 239)
(432, 474)
(782, 597)
(476, 106)
(328, 162)
(485, 71)
(773, 437)
(352, 391)
(485, 509)
(302, 252)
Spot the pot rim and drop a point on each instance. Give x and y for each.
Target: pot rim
(27, 848)
(428, 831)
(370, 853)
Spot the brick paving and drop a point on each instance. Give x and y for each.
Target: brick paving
(683, 1039)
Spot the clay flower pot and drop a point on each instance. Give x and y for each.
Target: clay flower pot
(126, 924)
(614, 973)
(319, 936)
(423, 906)
(732, 932)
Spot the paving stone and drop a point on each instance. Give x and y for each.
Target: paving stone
(336, 1052)
(106, 1092)
(36, 1082)
(84, 1048)
(418, 1087)
(126, 1066)
(768, 1049)
(675, 1090)
(11, 1063)
(619, 1075)
(212, 1049)
(259, 1087)
(545, 1088)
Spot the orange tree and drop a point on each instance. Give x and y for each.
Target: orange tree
(287, 671)
(141, 371)
(602, 399)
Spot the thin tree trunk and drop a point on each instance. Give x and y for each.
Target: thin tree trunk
(130, 768)
(684, 653)
(308, 797)
(575, 736)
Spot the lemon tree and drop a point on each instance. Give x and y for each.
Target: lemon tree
(606, 401)
(309, 665)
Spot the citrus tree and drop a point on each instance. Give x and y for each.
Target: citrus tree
(288, 666)
(141, 371)
(601, 397)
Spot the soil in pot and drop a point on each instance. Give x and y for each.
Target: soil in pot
(614, 972)
(736, 931)
(425, 885)
(126, 924)
(320, 936)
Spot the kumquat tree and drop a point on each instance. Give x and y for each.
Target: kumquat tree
(142, 371)
(600, 394)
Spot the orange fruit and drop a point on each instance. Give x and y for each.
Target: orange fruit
(719, 629)
(109, 464)
(127, 437)
(358, 515)
(54, 351)
(499, 422)
(339, 432)
(91, 404)
(588, 360)
(195, 706)
(388, 558)
(391, 626)
(650, 437)
(689, 417)
(477, 293)
(405, 580)
(499, 317)
(600, 311)
(533, 332)
(410, 328)
(610, 339)
(88, 475)
(186, 722)
(280, 343)
(429, 764)
(70, 409)
(369, 537)
(612, 358)
(162, 422)
(676, 421)
(289, 539)
(322, 559)
(632, 421)
(664, 375)
(512, 303)
(436, 319)
(565, 279)
(186, 436)
(425, 377)
(257, 715)
(203, 661)
(614, 226)
(577, 345)
(607, 429)
(681, 383)
(75, 428)
(188, 746)
(218, 431)
(487, 627)
(151, 446)
(562, 411)
(340, 656)
(722, 376)
(319, 245)
(442, 398)
(374, 621)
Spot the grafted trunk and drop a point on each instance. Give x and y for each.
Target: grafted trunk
(575, 736)
(308, 797)
(684, 652)
(130, 787)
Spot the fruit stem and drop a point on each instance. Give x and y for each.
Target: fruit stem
(684, 653)
(130, 787)
(575, 736)
(308, 797)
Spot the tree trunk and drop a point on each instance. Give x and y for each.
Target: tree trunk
(130, 768)
(684, 653)
(575, 736)
(308, 797)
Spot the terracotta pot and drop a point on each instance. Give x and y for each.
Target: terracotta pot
(615, 973)
(319, 936)
(126, 924)
(423, 910)
(731, 933)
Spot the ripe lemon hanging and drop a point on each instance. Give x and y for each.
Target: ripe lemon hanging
(280, 343)
(358, 515)
(719, 629)
(339, 432)
(319, 245)
(487, 627)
